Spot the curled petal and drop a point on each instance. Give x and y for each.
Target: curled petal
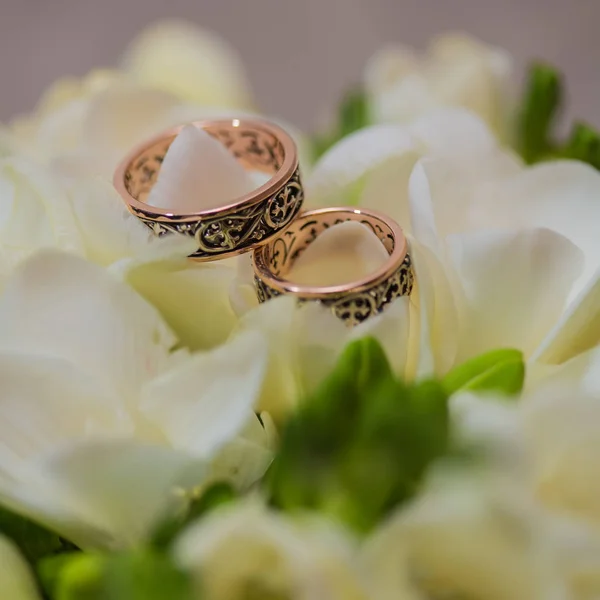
(514, 286)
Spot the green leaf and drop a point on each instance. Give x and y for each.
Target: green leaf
(583, 145)
(33, 540)
(353, 114)
(541, 103)
(49, 570)
(143, 574)
(360, 445)
(78, 577)
(501, 371)
(215, 495)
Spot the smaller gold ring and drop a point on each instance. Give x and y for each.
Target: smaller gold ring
(353, 302)
(244, 223)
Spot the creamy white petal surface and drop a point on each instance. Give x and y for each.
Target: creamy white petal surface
(562, 427)
(515, 286)
(457, 71)
(192, 298)
(62, 306)
(34, 209)
(188, 61)
(578, 330)
(202, 420)
(198, 173)
(247, 549)
(101, 422)
(16, 578)
(464, 538)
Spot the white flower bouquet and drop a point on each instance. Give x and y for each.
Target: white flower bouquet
(164, 436)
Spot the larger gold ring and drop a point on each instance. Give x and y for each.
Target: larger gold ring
(239, 226)
(353, 302)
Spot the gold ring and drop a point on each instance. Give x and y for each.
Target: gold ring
(241, 225)
(353, 302)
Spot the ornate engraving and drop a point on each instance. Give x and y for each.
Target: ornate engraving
(229, 231)
(236, 230)
(355, 308)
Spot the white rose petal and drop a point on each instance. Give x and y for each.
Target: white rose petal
(248, 549)
(204, 402)
(193, 63)
(198, 173)
(16, 578)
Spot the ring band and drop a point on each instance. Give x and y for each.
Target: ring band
(244, 223)
(353, 302)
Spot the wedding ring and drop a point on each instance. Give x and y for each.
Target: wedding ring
(244, 223)
(353, 302)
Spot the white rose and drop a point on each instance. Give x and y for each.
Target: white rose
(562, 430)
(84, 216)
(465, 537)
(503, 255)
(247, 551)
(194, 64)
(100, 420)
(457, 71)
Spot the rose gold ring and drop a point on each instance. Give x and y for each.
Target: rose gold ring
(353, 302)
(239, 226)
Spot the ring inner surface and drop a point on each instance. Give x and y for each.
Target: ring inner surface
(254, 147)
(281, 253)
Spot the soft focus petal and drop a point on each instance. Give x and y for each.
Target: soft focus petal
(206, 401)
(559, 195)
(198, 173)
(16, 579)
(577, 331)
(372, 167)
(275, 319)
(446, 193)
(245, 459)
(45, 402)
(192, 298)
(59, 305)
(581, 372)
(190, 62)
(119, 118)
(248, 550)
(35, 211)
(108, 230)
(434, 316)
(464, 540)
(458, 71)
(562, 427)
(336, 179)
(514, 285)
(56, 125)
(123, 486)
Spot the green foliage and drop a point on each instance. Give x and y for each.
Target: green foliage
(33, 540)
(583, 145)
(144, 574)
(540, 107)
(500, 371)
(353, 114)
(362, 443)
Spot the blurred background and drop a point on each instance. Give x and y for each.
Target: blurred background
(300, 54)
